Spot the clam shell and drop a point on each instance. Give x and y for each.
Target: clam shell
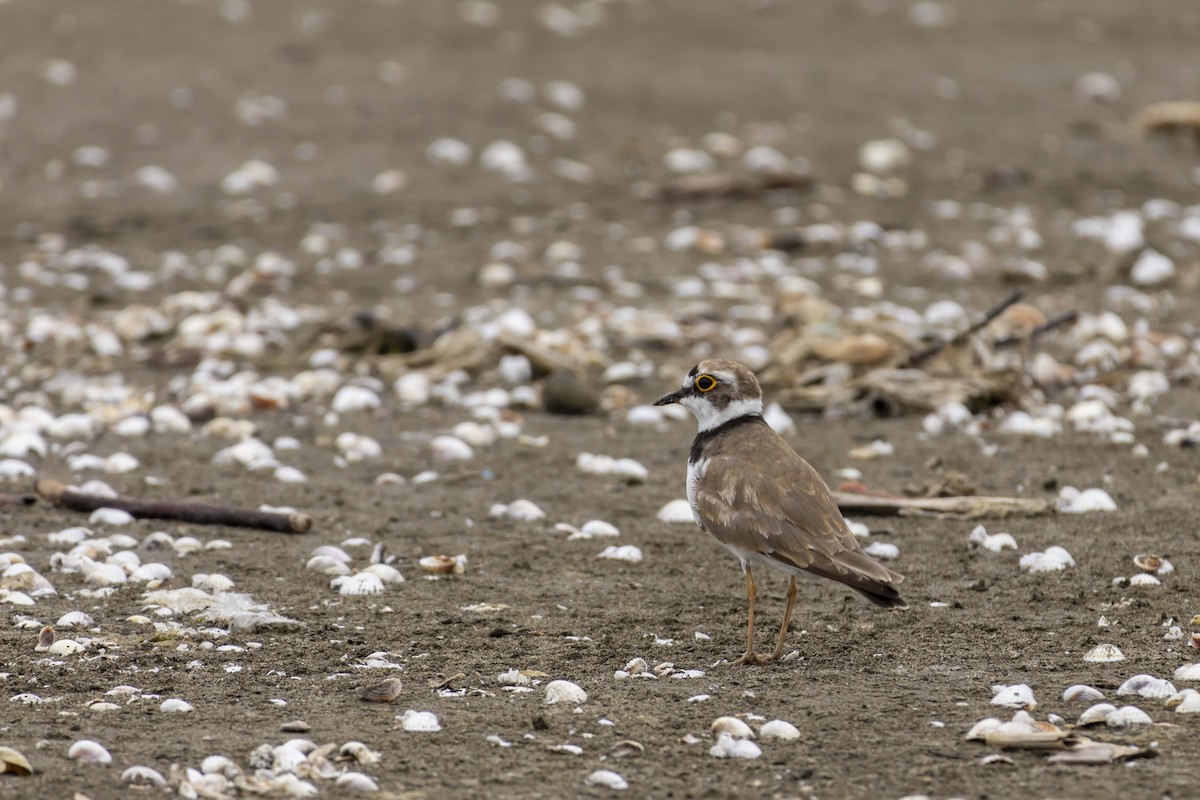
(14, 761)
(731, 726)
(565, 692)
(1016, 696)
(779, 730)
(1188, 672)
(606, 778)
(357, 585)
(1189, 704)
(64, 647)
(979, 729)
(383, 692)
(89, 752)
(1094, 715)
(1127, 716)
(143, 776)
(175, 706)
(1147, 686)
(1080, 693)
(357, 781)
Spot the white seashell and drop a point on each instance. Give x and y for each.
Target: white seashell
(286, 758)
(110, 516)
(779, 730)
(102, 705)
(1085, 502)
(385, 573)
(1080, 693)
(1016, 696)
(293, 475)
(1189, 703)
(884, 156)
(212, 583)
(606, 778)
(89, 752)
(64, 647)
(1144, 579)
(524, 511)
(882, 550)
(450, 448)
(19, 598)
(444, 565)
(1105, 654)
(412, 388)
(732, 727)
(1151, 269)
(729, 747)
(74, 619)
(1128, 715)
(120, 463)
(1188, 672)
(779, 420)
(132, 427)
(143, 776)
(630, 471)
(167, 419)
(420, 722)
(219, 765)
(625, 552)
(361, 583)
(676, 511)
(175, 705)
(12, 468)
(327, 565)
(332, 551)
(357, 781)
(597, 527)
(1094, 715)
(1147, 686)
(981, 728)
(185, 545)
(151, 572)
(565, 692)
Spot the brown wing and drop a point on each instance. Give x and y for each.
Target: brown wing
(780, 507)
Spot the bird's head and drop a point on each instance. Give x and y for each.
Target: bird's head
(717, 391)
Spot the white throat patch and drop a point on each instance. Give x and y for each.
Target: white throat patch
(709, 416)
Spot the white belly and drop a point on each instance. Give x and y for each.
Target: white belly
(695, 472)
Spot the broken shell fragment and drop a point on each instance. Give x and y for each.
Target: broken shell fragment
(1023, 732)
(729, 747)
(1148, 562)
(444, 565)
(565, 692)
(384, 692)
(1104, 654)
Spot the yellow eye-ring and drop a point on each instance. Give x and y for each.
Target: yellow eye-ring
(706, 383)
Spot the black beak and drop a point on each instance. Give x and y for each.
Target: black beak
(673, 397)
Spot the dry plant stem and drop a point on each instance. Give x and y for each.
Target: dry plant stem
(938, 345)
(17, 499)
(966, 506)
(1058, 321)
(197, 513)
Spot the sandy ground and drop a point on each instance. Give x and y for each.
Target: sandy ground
(882, 700)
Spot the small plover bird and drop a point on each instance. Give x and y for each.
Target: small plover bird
(752, 492)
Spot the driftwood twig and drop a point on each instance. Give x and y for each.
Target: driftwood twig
(17, 499)
(939, 344)
(1057, 321)
(967, 506)
(198, 513)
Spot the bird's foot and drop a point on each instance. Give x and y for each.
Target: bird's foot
(751, 658)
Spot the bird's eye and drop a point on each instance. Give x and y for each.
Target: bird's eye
(706, 383)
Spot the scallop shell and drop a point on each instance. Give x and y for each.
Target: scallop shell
(731, 726)
(89, 752)
(383, 692)
(75, 619)
(1188, 672)
(1096, 714)
(1144, 579)
(565, 692)
(1128, 715)
(151, 572)
(1104, 654)
(1147, 686)
(779, 730)
(1189, 703)
(362, 583)
(1080, 693)
(420, 722)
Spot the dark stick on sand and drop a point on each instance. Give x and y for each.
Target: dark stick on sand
(17, 499)
(1057, 321)
(939, 344)
(197, 513)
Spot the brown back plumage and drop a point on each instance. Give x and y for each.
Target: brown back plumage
(758, 495)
